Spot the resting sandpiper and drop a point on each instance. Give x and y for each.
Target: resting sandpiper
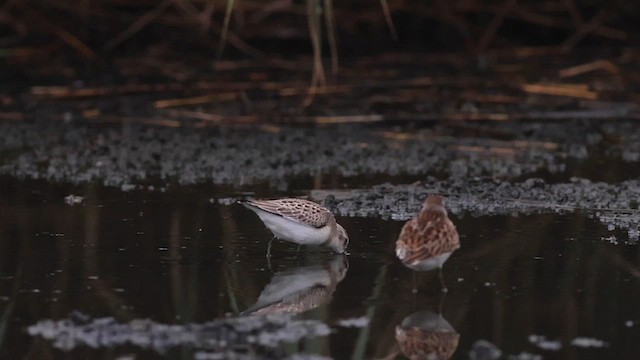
(427, 241)
(301, 222)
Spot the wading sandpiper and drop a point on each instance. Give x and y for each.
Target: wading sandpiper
(301, 222)
(427, 241)
(301, 289)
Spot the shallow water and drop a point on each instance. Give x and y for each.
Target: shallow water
(178, 258)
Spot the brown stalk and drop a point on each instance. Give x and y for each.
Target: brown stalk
(389, 20)
(570, 90)
(195, 100)
(347, 119)
(574, 12)
(550, 21)
(585, 29)
(138, 25)
(331, 35)
(491, 29)
(206, 15)
(589, 67)
(318, 77)
(37, 19)
(225, 29)
(198, 115)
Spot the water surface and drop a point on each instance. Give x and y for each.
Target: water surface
(179, 258)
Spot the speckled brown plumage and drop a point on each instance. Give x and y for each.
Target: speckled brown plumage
(420, 344)
(301, 222)
(429, 235)
(302, 289)
(310, 299)
(302, 211)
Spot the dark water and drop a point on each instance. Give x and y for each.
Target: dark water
(178, 258)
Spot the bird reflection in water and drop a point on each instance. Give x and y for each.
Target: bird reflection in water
(426, 335)
(301, 289)
(427, 241)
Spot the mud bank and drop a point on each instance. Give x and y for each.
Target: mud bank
(224, 338)
(483, 168)
(615, 205)
(133, 156)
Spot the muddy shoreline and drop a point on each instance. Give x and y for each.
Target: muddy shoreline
(130, 156)
(615, 205)
(494, 172)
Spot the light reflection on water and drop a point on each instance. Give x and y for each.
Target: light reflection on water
(177, 258)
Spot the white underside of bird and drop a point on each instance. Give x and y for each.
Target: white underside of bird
(289, 230)
(289, 284)
(431, 263)
(427, 320)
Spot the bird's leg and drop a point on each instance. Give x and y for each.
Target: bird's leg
(444, 294)
(298, 249)
(269, 246)
(269, 253)
(269, 264)
(444, 287)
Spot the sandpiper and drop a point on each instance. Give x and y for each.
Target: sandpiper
(301, 222)
(426, 335)
(301, 289)
(427, 241)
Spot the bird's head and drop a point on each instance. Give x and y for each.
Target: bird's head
(340, 241)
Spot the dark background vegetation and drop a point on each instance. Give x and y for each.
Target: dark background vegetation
(102, 29)
(255, 61)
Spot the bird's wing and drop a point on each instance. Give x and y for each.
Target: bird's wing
(420, 241)
(302, 211)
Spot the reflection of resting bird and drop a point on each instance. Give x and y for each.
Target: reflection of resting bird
(301, 222)
(425, 335)
(428, 240)
(301, 289)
